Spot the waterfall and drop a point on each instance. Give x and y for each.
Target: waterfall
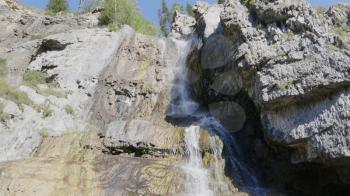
(196, 175)
(201, 180)
(182, 104)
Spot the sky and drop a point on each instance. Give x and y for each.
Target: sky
(149, 7)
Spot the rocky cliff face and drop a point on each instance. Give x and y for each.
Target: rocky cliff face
(293, 63)
(86, 111)
(83, 109)
(281, 69)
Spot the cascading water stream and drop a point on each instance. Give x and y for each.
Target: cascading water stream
(196, 174)
(199, 179)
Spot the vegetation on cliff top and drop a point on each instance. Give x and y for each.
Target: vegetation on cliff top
(120, 12)
(55, 6)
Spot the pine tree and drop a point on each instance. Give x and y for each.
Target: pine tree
(165, 18)
(56, 6)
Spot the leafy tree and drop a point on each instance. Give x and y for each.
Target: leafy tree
(56, 6)
(189, 9)
(120, 12)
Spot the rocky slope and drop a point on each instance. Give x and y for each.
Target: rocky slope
(83, 109)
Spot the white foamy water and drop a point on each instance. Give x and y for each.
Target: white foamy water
(197, 176)
(182, 105)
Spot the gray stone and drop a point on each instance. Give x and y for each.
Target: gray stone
(294, 67)
(183, 25)
(230, 114)
(208, 16)
(318, 128)
(216, 52)
(227, 83)
(339, 14)
(278, 10)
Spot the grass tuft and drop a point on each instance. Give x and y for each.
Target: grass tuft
(20, 98)
(33, 78)
(44, 133)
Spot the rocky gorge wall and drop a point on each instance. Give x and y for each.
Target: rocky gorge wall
(275, 73)
(85, 111)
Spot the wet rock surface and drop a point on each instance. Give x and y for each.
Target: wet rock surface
(287, 65)
(275, 73)
(284, 55)
(91, 118)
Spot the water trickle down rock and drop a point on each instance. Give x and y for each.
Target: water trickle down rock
(293, 63)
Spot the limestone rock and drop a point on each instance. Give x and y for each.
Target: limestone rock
(208, 17)
(143, 135)
(277, 10)
(216, 52)
(325, 134)
(89, 117)
(183, 25)
(291, 60)
(339, 14)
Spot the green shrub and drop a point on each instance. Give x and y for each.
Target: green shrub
(120, 12)
(113, 27)
(44, 133)
(32, 78)
(55, 6)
